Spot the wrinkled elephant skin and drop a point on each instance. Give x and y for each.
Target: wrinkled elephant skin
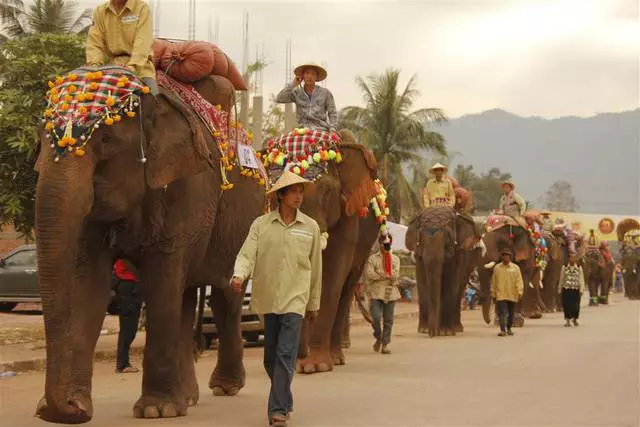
(598, 276)
(167, 217)
(631, 275)
(349, 244)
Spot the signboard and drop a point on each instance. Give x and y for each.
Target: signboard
(247, 157)
(604, 226)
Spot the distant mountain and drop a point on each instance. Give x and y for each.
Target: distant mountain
(598, 155)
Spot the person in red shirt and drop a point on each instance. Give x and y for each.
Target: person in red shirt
(129, 302)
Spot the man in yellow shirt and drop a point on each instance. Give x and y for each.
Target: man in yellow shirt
(439, 191)
(507, 288)
(122, 34)
(283, 255)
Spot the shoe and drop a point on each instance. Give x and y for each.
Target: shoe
(376, 346)
(502, 334)
(278, 420)
(385, 350)
(575, 322)
(510, 332)
(128, 370)
(568, 324)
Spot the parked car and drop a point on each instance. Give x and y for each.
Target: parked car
(19, 279)
(251, 324)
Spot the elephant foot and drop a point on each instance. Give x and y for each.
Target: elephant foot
(73, 411)
(316, 362)
(159, 407)
(337, 357)
(518, 321)
(345, 344)
(458, 328)
(225, 386)
(535, 315)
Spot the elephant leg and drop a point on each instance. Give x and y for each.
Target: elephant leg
(229, 375)
(69, 372)
(188, 381)
(164, 283)
(345, 338)
(421, 289)
(434, 295)
(342, 316)
(518, 317)
(449, 291)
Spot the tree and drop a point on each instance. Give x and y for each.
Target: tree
(559, 197)
(29, 63)
(465, 175)
(395, 133)
(43, 16)
(273, 122)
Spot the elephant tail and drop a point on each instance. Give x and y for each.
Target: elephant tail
(198, 347)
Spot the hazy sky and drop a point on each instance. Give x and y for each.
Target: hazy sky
(532, 57)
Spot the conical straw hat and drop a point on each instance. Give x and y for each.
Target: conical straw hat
(439, 166)
(287, 179)
(322, 73)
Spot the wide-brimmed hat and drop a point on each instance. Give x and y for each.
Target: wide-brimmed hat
(508, 182)
(438, 166)
(506, 252)
(545, 212)
(287, 179)
(322, 73)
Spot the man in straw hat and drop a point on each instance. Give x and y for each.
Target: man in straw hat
(315, 107)
(439, 191)
(282, 254)
(512, 204)
(507, 288)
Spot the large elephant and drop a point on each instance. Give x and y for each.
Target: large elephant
(170, 218)
(334, 201)
(442, 242)
(631, 271)
(598, 274)
(518, 240)
(558, 257)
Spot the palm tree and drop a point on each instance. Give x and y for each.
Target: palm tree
(43, 16)
(397, 135)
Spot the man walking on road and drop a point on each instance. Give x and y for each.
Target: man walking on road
(507, 288)
(283, 255)
(382, 287)
(129, 305)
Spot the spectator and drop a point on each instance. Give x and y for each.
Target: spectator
(129, 303)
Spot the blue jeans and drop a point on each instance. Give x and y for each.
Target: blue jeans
(381, 310)
(281, 340)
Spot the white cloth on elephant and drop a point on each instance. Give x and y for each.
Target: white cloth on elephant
(324, 239)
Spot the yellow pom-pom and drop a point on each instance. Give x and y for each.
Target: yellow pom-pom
(72, 88)
(59, 81)
(229, 168)
(55, 99)
(120, 84)
(117, 118)
(68, 98)
(261, 182)
(48, 126)
(82, 110)
(79, 152)
(146, 90)
(72, 77)
(218, 107)
(51, 84)
(64, 107)
(62, 143)
(97, 75)
(93, 86)
(80, 97)
(131, 114)
(110, 101)
(88, 96)
(108, 121)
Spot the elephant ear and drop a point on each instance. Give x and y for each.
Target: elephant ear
(357, 174)
(178, 145)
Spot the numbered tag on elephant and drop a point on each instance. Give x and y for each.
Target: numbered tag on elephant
(247, 157)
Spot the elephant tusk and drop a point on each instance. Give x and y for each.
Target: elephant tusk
(490, 265)
(324, 238)
(531, 285)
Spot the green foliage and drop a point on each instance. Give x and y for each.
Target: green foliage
(559, 197)
(397, 134)
(485, 187)
(43, 16)
(26, 65)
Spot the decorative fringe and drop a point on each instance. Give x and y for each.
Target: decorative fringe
(387, 263)
(360, 197)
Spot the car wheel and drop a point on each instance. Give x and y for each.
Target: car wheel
(251, 336)
(7, 306)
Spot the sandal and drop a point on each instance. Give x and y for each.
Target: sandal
(128, 370)
(278, 420)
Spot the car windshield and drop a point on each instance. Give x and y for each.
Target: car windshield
(22, 258)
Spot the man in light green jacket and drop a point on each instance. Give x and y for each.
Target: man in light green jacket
(507, 288)
(283, 255)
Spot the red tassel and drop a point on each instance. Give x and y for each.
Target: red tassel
(387, 263)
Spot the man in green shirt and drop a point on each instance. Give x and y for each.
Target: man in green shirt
(283, 255)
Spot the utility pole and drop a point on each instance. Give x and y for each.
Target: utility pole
(289, 113)
(155, 10)
(192, 20)
(258, 102)
(244, 96)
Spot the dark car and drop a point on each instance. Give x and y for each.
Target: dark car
(19, 277)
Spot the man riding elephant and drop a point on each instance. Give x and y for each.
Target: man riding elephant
(513, 204)
(122, 32)
(315, 107)
(439, 190)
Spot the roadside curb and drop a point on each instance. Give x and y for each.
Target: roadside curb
(40, 363)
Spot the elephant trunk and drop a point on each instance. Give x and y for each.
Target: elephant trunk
(64, 197)
(484, 276)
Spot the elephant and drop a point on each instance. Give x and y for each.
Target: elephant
(334, 201)
(170, 218)
(518, 240)
(558, 257)
(631, 272)
(598, 275)
(443, 264)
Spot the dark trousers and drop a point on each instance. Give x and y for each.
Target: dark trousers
(382, 311)
(129, 314)
(281, 340)
(571, 303)
(505, 314)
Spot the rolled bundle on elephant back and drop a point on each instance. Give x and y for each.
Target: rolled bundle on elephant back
(625, 226)
(454, 182)
(533, 216)
(463, 199)
(224, 66)
(159, 48)
(188, 61)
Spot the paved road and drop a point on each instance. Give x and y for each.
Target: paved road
(546, 375)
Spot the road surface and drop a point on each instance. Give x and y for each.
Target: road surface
(546, 375)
